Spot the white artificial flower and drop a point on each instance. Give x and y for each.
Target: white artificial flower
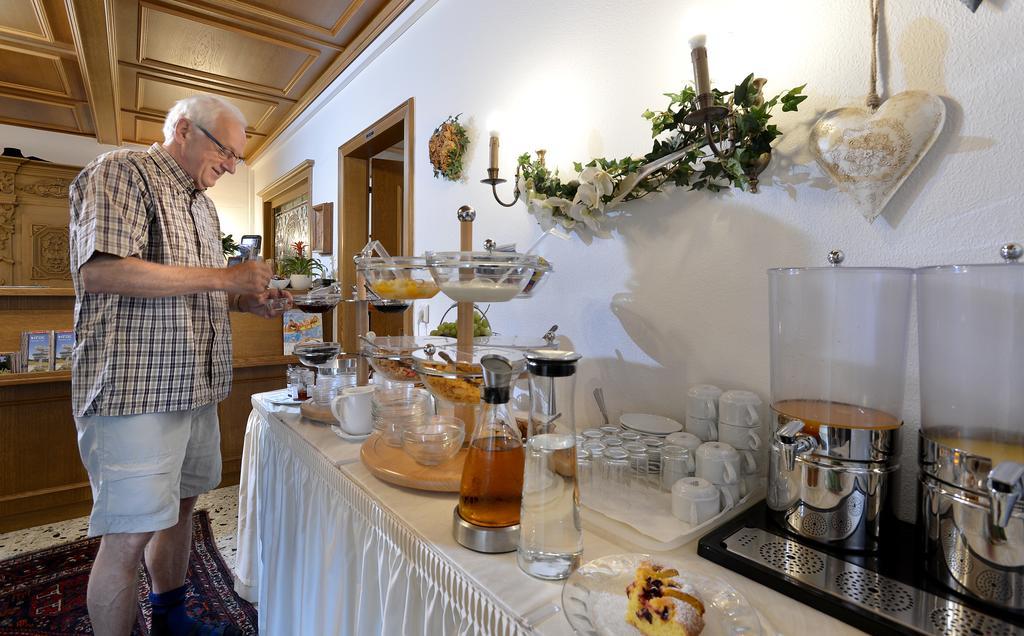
(587, 195)
(545, 214)
(600, 179)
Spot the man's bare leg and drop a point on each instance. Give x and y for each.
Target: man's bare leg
(113, 593)
(168, 551)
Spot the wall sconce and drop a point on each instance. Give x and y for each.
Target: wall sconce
(492, 172)
(705, 113)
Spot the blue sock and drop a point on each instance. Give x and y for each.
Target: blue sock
(169, 614)
(170, 617)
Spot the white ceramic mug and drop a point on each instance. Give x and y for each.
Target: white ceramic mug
(686, 440)
(739, 408)
(739, 437)
(718, 463)
(702, 401)
(731, 494)
(751, 462)
(352, 409)
(704, 428)
(695, 500)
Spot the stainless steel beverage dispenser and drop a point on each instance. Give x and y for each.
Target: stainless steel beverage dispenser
(971, 340)
(838, 353)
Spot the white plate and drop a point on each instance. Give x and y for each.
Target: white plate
(649, 424)
(350, 438)
(281, 397)
(594, 599)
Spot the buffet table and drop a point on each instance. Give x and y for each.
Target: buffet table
(327, 548)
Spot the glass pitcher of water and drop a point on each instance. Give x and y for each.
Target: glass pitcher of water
(550, 535)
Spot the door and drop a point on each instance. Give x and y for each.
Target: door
(386, 180)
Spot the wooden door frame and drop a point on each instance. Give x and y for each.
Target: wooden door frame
(354, 197)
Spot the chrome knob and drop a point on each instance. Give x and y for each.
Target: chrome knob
(551, 337)
(1005, 487)
(466, 213)
(835, 258)
(793, 442)
(1011, 252)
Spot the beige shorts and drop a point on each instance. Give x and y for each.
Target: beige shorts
(142, 466)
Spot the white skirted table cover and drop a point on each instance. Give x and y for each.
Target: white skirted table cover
(327, 548)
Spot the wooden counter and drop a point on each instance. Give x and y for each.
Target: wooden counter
(41, 475)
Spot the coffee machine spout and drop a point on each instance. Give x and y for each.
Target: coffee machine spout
(793, 442)
(1005, 487)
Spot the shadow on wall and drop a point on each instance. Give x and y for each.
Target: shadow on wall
(697, 301)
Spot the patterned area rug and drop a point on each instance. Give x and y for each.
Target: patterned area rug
(44, 592)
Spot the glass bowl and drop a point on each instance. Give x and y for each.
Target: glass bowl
(435, 441)
(314, 354)
(461, 382)
(482, 277)
(316, 303)
(398, 277)
(540, 274)
(391, 356)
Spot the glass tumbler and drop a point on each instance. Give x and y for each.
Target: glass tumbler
(676, 464)
(638, 464)
(616, 474)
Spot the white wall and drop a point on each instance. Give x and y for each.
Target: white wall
(679, 296)
(233, 194)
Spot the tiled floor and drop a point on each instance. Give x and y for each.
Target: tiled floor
(222, 505)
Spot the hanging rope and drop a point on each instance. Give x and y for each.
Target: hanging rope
(873, 100)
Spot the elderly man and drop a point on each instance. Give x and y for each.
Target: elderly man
(153, 353)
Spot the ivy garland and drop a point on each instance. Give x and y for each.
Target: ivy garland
(447, 146)
(603, 183)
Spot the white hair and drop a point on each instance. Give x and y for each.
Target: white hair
(201, 109)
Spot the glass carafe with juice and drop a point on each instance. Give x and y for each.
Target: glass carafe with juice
(550, 534)
(492, 478)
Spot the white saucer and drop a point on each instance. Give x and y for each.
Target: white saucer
(349, 438)
(648, 424)
(282, 398)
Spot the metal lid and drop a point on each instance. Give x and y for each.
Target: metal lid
(834, 259)
(1009, 252)
(497, 370)
(552, 363)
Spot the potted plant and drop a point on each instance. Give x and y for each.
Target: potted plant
(300, 268)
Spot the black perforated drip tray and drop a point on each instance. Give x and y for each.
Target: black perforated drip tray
(884, 593)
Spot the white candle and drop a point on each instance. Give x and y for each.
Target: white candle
(494, 150)
(699, 57)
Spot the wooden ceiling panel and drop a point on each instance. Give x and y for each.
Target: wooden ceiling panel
(270, 58)
(25, 18)
(157, 95)
(220, 50)
(38, 113)
(34, 72)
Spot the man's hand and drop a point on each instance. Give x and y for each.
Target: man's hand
(260, 305)
(247, 278)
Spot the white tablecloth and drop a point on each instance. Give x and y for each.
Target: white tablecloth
(326, 548)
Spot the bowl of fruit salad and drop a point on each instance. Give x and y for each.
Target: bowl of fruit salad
(397, 277)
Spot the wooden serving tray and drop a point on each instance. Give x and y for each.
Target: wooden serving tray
(395, 466)
(317, 413)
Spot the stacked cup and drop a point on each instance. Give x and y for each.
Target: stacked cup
(739, 425)
(719, 464)
(702, 411)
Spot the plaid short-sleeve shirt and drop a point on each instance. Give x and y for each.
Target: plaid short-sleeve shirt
(145, 355)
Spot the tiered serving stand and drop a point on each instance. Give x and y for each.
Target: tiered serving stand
(451, 373)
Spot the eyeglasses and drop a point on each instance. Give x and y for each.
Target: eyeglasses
(225, 152)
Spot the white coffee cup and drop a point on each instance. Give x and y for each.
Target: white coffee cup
(702, 401)
(751, 462)
(704, 428)
(739, 408)
(718, 463)
(686, 440)
(352, 409)
(695, 500)
(730, 493)
(740, 437)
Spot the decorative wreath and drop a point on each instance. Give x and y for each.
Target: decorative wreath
(447, 147)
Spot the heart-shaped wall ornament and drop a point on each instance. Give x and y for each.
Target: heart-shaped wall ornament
(870, 154)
